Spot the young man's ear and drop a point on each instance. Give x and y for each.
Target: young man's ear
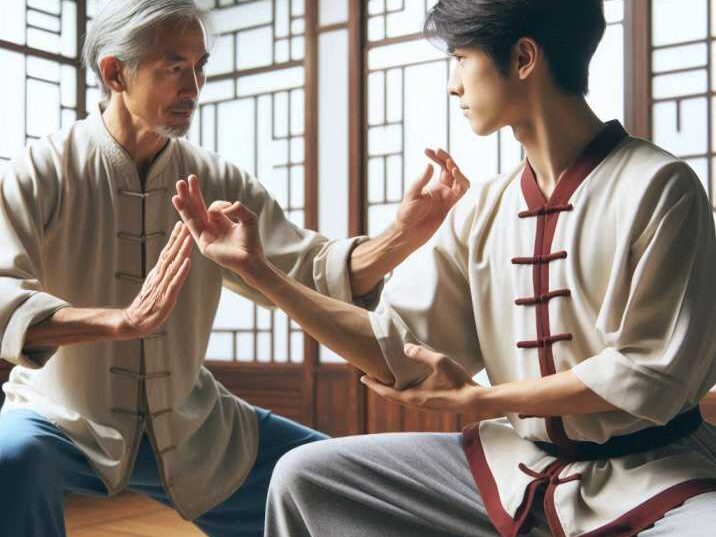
(527, 54)
(113, 74)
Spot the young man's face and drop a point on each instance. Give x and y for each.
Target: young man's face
(163, 92)
(485, 94)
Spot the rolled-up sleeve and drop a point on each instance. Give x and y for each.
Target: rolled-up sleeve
(27, 197)
(304, 255)
(659, 314)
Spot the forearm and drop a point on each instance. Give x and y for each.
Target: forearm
(342, 327)
(70, 326)
(555, 395)
(371, 260)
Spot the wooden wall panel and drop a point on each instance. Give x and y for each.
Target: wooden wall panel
(276, 387)
(339, 400)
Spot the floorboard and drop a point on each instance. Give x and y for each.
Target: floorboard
(125, 515)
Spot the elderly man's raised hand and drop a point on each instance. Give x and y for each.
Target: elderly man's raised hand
(155, 302)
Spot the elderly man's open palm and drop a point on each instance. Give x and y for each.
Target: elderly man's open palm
(226, 233)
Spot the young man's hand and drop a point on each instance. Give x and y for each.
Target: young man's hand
(447, 387)
(152, 306)
(227, 233)
(425, 206)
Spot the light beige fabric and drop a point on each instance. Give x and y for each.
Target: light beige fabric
(642, 312)
(76, 229)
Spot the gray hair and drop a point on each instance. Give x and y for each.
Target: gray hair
(125, 29)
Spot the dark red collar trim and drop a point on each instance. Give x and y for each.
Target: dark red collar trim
(592, 155)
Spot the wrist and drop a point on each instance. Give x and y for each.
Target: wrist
(405, 236)
(485, 401)
(257, 271)
(121, 325)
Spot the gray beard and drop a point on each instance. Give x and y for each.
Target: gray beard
(172, 132)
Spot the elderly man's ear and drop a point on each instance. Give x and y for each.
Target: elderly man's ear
(113, 73)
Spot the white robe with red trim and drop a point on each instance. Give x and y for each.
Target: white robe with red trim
(613, 278)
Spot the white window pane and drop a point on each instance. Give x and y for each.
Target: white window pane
(376, 28)
(297, 48)
(41, 68)
(235, 312)
(253, 48)
(43, 117)
(376, 180)
(296, 347)
(606, 94)
(220, 347)
(332, 12)
(12, 21)
(405, 21)
(333, 134)
(53, 6)
(678, 84)
(69, 29)
(242, 16)
(672, 23)
(680, 57)
(237, 139)
(380, 217)
(297, 8)
(283, 17)
(398, 54)
(12, 105)
(395, 89)
(245, 350)
(385, 140)
(44, 40)
(217, 91)
(376, 98)
(681, 131)
(69, 86)
(426, 114)
(614, 11)
(271, 81)
(44, 21)
(222, 56)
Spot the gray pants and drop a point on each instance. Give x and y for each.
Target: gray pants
(408, 484)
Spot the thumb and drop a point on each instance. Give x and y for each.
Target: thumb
(421, 354)
(416, 189)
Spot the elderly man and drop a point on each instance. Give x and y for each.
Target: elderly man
(582, 281)
(107, 396)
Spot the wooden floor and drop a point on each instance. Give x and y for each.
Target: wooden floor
(126, 515)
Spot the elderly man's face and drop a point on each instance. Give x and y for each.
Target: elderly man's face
(163, 92)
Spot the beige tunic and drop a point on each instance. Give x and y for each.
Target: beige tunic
(77, 229)
(611, 278)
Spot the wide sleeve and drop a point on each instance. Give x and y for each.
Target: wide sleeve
(428, 302)
(28, 196)
(304, 255)
(658, 319)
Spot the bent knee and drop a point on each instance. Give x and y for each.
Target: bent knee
(22, 458)
(300, 467)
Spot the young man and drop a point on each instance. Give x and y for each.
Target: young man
(83, 216)
(582, 281)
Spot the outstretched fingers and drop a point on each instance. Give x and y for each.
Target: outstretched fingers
(441, 158)
(171, 249)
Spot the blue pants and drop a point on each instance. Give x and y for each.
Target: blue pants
(39, 464)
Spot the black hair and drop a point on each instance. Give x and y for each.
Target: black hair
(568, 31)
